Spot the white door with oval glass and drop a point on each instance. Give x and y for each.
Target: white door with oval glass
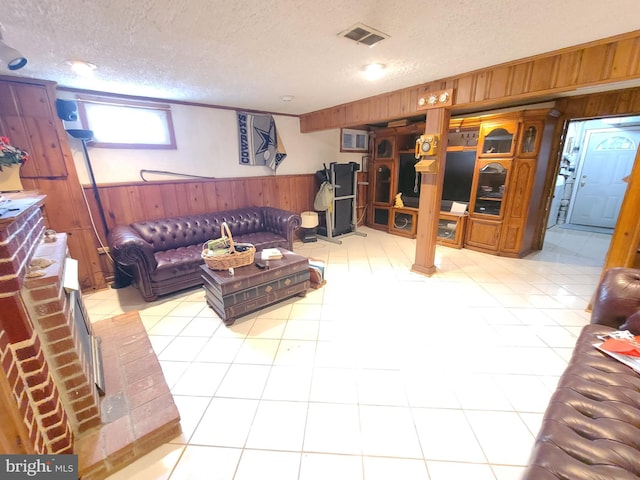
(608, 157)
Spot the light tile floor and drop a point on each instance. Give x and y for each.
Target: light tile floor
(381, 374)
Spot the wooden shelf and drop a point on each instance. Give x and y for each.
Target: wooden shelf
(459, 148)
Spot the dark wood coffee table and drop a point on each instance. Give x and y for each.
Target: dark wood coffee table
(251, 288)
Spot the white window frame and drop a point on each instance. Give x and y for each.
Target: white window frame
(352, 140)
(160, 113)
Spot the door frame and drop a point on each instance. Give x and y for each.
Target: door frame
(625, 241)
(626, 235)
(583, 154)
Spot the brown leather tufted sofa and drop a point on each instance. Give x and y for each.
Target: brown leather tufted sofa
(591, 428)
(163, 256)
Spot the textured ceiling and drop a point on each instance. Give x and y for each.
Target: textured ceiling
(250, 53)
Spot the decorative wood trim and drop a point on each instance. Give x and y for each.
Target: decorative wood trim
(608, 60)
(438, 99)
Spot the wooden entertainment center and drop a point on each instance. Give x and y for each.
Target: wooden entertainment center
(496, 164)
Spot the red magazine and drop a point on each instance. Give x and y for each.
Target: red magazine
(626, 346)
(622, 346)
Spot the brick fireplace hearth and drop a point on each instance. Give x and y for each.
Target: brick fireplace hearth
(49, 401)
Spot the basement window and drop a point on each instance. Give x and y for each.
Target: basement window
(122, 123)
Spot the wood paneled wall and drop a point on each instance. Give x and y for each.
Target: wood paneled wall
(614, 59)
(132, 202)
(28, 118)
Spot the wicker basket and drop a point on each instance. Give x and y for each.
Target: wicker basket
(232, 258)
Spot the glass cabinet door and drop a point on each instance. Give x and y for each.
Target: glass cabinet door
(447, 229)
(490, 189)
(382, 183)
(381, 217)
(451, 228)
(498, 139)
(384, 148)
(404, 221)
(530, 141)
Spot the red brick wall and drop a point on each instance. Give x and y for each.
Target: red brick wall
(50, 312)
(18, 240)
(36, 395)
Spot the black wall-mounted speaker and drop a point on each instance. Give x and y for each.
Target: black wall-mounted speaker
(67, 110)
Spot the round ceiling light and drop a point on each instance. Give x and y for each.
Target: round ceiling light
(374, 71)
(82, 68)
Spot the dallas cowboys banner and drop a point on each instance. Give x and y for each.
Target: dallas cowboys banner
(259, 141)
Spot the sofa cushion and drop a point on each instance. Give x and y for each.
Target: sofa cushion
(177, 262)
(172, 233)
(262, 240)
(185, 260)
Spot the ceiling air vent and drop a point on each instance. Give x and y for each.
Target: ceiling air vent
(363, 34)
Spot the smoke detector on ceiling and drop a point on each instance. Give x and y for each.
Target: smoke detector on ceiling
(361, 33)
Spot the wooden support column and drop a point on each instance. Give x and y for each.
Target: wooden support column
(431, 194)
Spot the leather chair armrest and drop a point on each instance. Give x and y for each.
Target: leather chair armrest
(129, 248)
(617, 297)
(282, 222)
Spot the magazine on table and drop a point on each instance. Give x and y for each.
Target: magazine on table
(622, 346)
(271, 254)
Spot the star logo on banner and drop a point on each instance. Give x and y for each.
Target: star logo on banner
(268, 138)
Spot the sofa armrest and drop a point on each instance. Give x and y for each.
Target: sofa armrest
(281, 222)
(129, 248)
(617, 297)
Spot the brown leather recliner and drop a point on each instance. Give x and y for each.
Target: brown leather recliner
(163, 256)
(591, 427)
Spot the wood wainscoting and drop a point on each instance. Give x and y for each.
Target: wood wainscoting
(125, 203)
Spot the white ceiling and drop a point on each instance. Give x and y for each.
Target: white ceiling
(249, 53)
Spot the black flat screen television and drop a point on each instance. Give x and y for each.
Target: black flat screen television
(458, 176)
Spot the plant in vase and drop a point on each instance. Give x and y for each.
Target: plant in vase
(10, 155)
(11, 159)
